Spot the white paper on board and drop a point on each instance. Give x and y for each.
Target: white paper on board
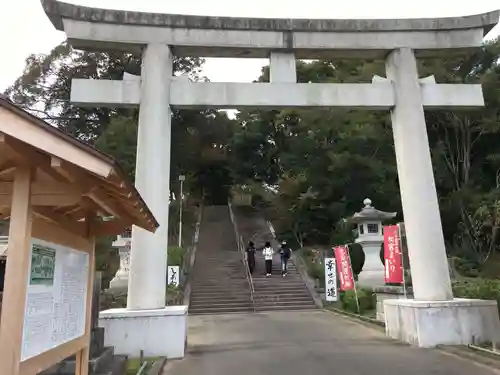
(55, 299)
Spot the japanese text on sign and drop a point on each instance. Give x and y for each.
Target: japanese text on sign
(344, 267)
(393, 257)
(173, 275)
(330, 280)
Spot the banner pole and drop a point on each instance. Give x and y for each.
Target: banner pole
(353, 279)
(402, 260)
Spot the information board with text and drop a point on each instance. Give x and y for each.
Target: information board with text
(56, 297)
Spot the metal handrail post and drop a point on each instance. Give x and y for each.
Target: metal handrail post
(241, 248)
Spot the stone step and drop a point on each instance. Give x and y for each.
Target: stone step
(272, 302)
(225, 281)
(278, 287)
(287, 308)
(263, 296)
(217, 304)
(219, 276)
(220, 293)
(285, 303)
(204, 299)
(223, 285)
(218, 268)
(219, 310)
(240, 274)
(278, 281)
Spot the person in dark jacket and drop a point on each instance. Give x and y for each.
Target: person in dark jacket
(285, 253)
(251, 256)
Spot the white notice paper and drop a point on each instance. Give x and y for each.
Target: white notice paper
(173, 275)
(330, 280)
(56, 297)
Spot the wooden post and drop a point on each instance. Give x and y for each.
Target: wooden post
(16, 275)
(82, 356)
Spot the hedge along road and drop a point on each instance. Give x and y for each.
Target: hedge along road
(307, 342)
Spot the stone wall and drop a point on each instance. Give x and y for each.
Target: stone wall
(388, 292)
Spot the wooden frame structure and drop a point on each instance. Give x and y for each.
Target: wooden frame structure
(62, 191)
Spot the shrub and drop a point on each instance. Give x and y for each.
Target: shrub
(175, 255)
(357, 257)
(316, 271)
(366, 300)
(477, 288)
(466, 267)
(174, 295)
(112, 300)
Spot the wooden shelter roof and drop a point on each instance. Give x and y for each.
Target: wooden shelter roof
(73, 182)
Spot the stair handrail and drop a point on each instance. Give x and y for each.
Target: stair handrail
(241, 248)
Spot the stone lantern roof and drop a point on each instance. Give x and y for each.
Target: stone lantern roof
(370, 213)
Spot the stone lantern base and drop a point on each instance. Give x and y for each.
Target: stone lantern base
(428, 324)
(371, 278)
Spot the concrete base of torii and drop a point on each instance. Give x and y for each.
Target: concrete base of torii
(431, 323)
(157, 332)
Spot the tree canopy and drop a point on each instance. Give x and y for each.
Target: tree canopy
(311, 167)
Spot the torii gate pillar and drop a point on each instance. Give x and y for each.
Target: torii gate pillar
(148, 256)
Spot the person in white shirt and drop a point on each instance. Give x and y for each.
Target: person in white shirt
(268, 253)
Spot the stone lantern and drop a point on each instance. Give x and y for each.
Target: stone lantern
(120, 282)
(370, 236)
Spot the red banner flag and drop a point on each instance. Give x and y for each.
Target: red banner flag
(393, 255)
(344, 267)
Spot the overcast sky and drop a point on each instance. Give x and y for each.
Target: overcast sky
(24, 28)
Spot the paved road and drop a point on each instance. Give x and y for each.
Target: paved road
(303, 343)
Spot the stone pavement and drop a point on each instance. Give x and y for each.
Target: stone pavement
(302, 343)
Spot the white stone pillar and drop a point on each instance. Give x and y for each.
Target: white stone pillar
(424, 233)
(148, 259)
(282, 68)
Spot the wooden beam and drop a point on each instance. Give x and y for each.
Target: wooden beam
(56, 188)
(90, 187)
(26, 154)
(109, 228)
(4, 212)
(43, 194)
(63, 221)
(7, 167)
(51, 200)
(16, 276)
(102, 199)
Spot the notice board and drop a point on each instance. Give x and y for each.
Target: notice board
(56, 297)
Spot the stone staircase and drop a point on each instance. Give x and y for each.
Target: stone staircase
(275, 292)
(218, 283)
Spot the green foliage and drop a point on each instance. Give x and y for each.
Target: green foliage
(313, 260)
(366, 300)
(175, 295)
(175, 255)
(119, 140)
(44, 90)
(320, 163)
(477, 288)
(107, 260)
(109, 300)
(324, 162)
(466, 267)
(357, 257)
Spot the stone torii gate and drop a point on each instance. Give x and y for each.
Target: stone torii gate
(400, 42)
